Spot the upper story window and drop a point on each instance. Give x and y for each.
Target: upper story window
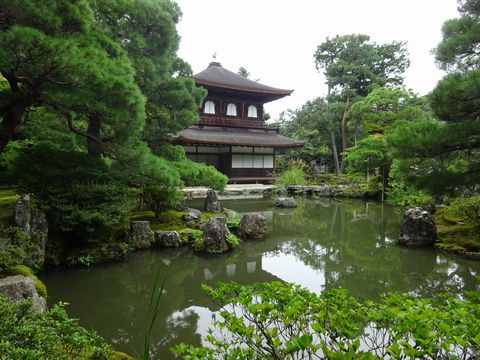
(252, 111)
(209, 107)
(231, 110)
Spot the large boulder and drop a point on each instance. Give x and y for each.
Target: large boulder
(192, 216)
(215, 234)
(34, 223)
(417, 228)
(141, 234)
(167, 239)
(285, 202)
(253, 226)
(18, 287)
(211, 202)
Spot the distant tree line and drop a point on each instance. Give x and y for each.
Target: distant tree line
(369, 121)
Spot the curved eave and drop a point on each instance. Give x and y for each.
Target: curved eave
(201, 136)
(186, 141)
(270, 95)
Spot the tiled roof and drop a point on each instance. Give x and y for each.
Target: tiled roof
(217, 76)
(235, 137)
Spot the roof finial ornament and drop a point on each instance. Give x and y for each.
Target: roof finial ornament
(214, 60)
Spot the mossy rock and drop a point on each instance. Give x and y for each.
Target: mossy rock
(454, 233)
(26, 271)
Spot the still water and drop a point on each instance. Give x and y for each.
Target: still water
(322, 244)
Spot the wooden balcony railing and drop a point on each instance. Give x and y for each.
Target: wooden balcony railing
(236, 123)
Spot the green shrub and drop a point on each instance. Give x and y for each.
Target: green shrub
(190, 236)
(295, 173)
(50, 336)
(400, 195)
(83, 194)
(11, 255)
(159, 198)
(14, 246)
(195, 174)
(291, 177)
(469, 208)
(284, 321)
(233, 241)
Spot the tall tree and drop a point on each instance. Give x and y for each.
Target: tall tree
(95, 70)
(445, 155)
(354, 66)
(51, 56)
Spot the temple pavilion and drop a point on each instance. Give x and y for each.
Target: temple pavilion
(231, 134)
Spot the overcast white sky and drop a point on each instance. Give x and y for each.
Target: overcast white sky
(275, 39)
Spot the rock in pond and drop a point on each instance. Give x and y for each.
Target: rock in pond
(211, 202)
(141, 234)
(18, 287)
(417, 228)
(215, 234)
(192, 215)
(253, 226)
(167, 239)
(285, 202)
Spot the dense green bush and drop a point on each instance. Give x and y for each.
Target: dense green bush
(295, 173)
(80, 193)
(284, 321)
(195, 174)
(468, 208)
(14, 246)
(401, 195)
(51, 335)
(159, 198)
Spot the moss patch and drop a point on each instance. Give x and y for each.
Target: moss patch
(26, 271)
(455, 233)
(171, 220)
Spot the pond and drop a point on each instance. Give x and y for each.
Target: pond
(321, 245)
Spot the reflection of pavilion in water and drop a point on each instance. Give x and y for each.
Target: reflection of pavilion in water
(245, 270)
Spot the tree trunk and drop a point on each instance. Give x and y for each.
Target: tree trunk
(344, 135)
(335, 153)
(11, 119)
(94, 145)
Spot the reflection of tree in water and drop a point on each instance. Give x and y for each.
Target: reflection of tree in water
(118, 310)
(352, 243)
(348, 241)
